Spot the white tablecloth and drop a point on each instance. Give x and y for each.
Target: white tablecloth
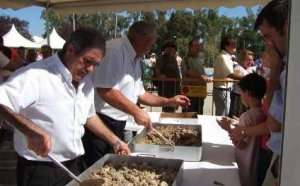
(217, 163)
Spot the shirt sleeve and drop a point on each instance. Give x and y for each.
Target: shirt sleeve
(227, 66)
(3, 60)
(20, 90)
(107, 74)
(276, 109)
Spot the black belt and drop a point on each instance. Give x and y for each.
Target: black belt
(223, 89)
(67, 163)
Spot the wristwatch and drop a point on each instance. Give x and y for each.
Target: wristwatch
(243, 132)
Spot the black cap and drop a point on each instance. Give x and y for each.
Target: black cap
(169, 44)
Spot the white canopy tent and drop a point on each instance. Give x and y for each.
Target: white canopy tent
(56, 42)
(67, 7)
(290, 151)
(37, 39)
(14, 39)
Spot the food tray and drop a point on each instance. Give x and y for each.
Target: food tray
(178, 115)
(118, 159)
(186, 153)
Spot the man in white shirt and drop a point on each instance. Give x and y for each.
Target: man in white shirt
(48, 103)
(119, 87)
(223, 68)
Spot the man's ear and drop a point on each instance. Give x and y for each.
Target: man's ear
(70, 49)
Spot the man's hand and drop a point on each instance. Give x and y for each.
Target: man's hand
(121, 148)
(142, 118)
(205, 79)
(39, 142)
(179, 100)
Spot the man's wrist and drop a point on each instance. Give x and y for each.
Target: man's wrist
(243, 131)
(116, 143)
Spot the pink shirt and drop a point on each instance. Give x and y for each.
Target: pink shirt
(247, 157)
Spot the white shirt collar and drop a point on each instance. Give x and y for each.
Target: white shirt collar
(65, 73)
(131, 50)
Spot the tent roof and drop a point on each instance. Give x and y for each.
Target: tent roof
(14, 39)
(37, 39)
(65, 7)
(56, 42)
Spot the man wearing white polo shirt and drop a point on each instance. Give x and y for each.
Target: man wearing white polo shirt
(223, 68)
(119, 87)
(49, 102)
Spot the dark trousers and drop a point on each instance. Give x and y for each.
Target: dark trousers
(168, 90)
(37, 173)
(196, 105)
(236, 105)
(263, 164)
(95, 148)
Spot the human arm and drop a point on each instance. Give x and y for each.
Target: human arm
(153, 100)
(95, 125)
(235, 75)
(276, 67)
(38, 140)
(240, 132)
(224, 123)
(117, 100)
(202, 78)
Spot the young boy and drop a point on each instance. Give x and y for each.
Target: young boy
(253, 89)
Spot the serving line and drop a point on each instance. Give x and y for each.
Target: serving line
(218, 165)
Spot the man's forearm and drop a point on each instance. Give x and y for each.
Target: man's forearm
(117, 100)
(257, 130)
(274, 84)
(235, 75)
(96, 125)
(273, 125)
(18, 121)
(153, 100)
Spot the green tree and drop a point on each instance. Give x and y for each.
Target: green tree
(22, 26)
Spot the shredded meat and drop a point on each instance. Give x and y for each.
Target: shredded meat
(181, 136)
(135, 174)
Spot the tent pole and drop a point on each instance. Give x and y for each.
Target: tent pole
(47, 23)
(116, 25)
(73, 21)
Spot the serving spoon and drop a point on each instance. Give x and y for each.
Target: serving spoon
(87, 182)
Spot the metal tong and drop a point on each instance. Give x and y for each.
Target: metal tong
(165, 139)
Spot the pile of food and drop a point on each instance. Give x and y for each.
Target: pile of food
(135, 174)
(181, 136)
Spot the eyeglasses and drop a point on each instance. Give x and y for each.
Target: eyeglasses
(90, 62)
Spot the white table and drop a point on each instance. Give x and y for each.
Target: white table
(217, 163)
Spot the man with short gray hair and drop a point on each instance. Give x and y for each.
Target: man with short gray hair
(119, 87)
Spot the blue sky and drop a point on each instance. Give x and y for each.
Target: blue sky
(37, 25)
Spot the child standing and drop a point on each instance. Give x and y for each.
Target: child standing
(253, 89)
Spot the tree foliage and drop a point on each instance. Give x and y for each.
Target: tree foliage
(22, 26)
(180, 26)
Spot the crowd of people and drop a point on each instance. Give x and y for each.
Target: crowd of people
(74, 104)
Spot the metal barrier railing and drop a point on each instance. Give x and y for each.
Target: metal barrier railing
(180, 81)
